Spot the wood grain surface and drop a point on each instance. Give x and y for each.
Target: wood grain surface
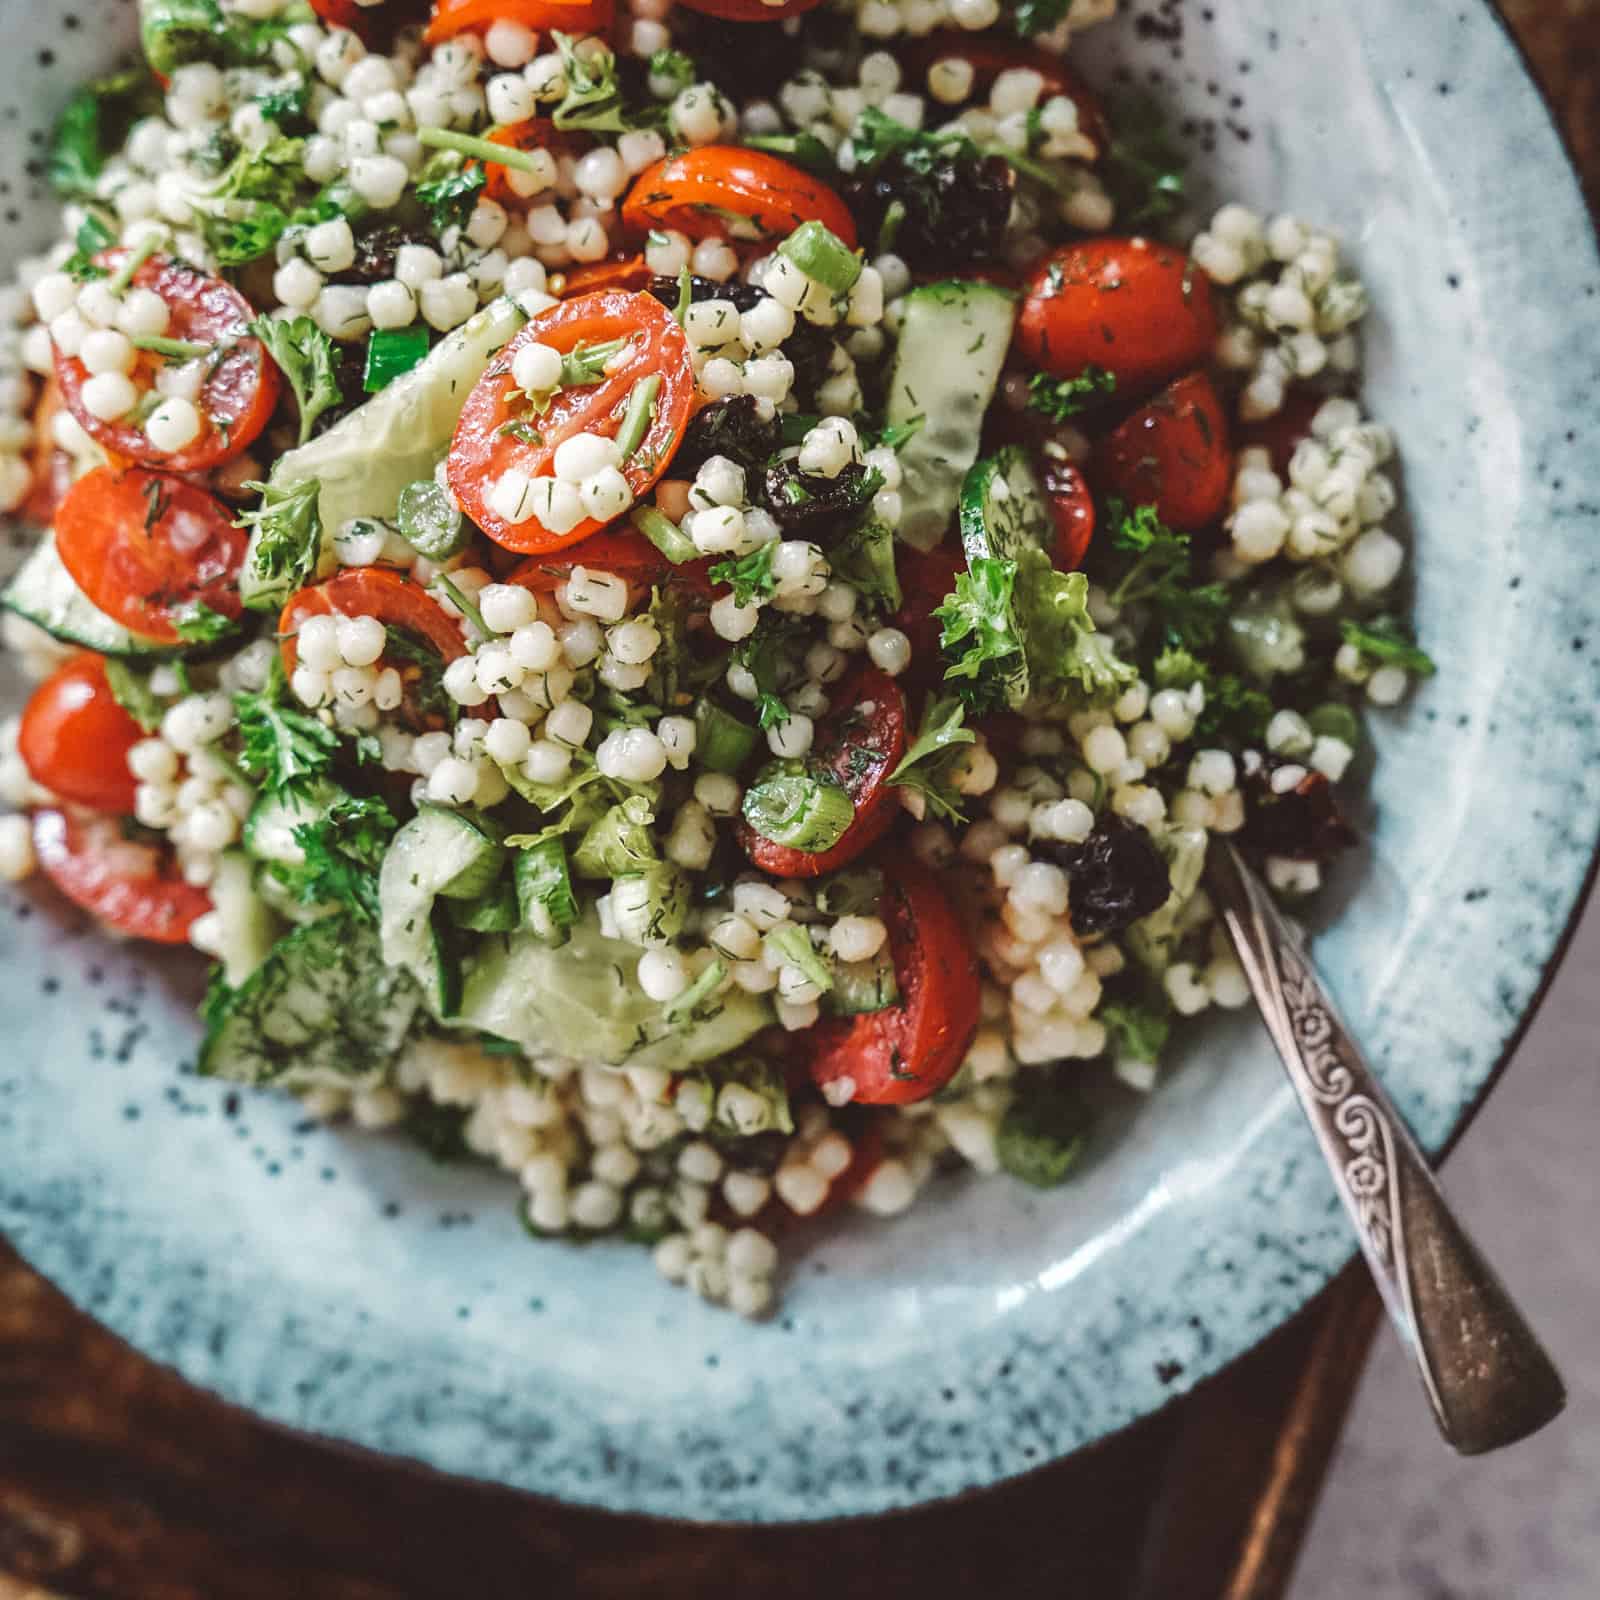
(120, 1482)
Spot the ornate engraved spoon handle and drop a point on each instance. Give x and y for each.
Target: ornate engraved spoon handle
(1485, 1372)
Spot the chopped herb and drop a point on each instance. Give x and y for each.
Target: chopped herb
(1135, 1032)
(305, 354)
(282, 749)
(1143, 169)
(978, 634)
(285, 102)
(131, 689)
(751, 575)
(1060, 398)
(344, 849)
(671, 72)
(586, 363)
(687, 1006)
(594, 99)
(1159, 577)
(95, 126)
(1389, 642)
(391, 352)
(93, 237)
(286, 534)
(928, 765)
(197, 623)
(448, 191)
(521, 429)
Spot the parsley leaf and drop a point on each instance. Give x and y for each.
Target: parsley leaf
(773, 656)
(864, 558)
(751, 575)
(1060, 398)
(94, 126)
(977, 616)
(875, 136)
(1063, 646)
(447, 191)
(93, 237)
(343, 851)
(928, 765)
(594, 97)
(1235, 713)
(197, 623)
(305, 355)
(1143, 169)
(282, 749)
(286, 533)
(1136, 1032)
(1389, 642)
(671, 72)
(131, 690)
(251, 204)
(286, 101)
(1159, 577)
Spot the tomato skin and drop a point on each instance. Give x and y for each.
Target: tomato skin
(843, 739)
(372, 23)
(751, 10)
(1137, 309)
(141, 571)
(912, 1049)
(75, 738)
(451, 17)
(241, 391)
(989, 57)
(1071, 509)
(537, 133)
(1173, 454)
(480, 453)
(1284, 429)
(379, 592)
(89, 861)
(775, 196)
(624, 272)
(927, 577)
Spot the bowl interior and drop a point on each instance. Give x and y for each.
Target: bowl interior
(340, 1283)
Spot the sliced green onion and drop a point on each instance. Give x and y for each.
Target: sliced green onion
(124, 274)
(894, 215)
(685, 295)
(650, 906)
(636, 419)
(823, 256)
(586, 363)
(722, 742)
(1336, 720)
(391, 352)
(431, 525)
(176, 349)
(545, 901)
(689, 1002)
(496, 912)
(805, 150)
(466, 607)
(664, 534)
(796, 810)
(860, 987)
(486, 150)
(855, 892)
(792, 946)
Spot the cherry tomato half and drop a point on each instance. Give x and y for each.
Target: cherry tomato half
(926, 577)
(860, 744)
(989, 57)
(624, 272)
(144, 546)
(483, 450)
(752, 10)
(1139, 310)
(1173, 454)
(1071, 509)
(75, 738)
(132, 887)
(379, 592)
(723, 191)
(373, 23)
(537, 133)
(912, 1049)
(241, 383)
(451, 17)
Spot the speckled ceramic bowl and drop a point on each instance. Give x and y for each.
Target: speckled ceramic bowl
(341, 1284)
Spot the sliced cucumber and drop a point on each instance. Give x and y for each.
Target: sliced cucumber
(438, 853)
(365, 459)
(323, 1008)
(953, 340)
(269, 829)
(44, 593)
(1002, 512)
(863, 986)
(495, 912)
(249, 927)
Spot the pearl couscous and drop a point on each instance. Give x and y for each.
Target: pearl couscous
(527, 595)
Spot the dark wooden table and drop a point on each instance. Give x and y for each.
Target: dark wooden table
(119, 1482)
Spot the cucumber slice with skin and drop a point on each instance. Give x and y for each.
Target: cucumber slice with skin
(323, 1008)
(269, 829)
(249, 929)
(44, 593)
(438, 853)
(952, 345)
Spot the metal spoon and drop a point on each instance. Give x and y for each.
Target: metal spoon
(1485, 1372)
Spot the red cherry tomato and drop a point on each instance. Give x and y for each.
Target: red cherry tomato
(1173, 454)
(451, 17)
(912, 1049)
(1137, 309)
(625, 555)
(380, 592)
(1071, 509)
(989, 57)
(144, 546)
(751, 10)
(75, 738)
(625, 272)
(1285, 428)
(926, 578)
(723, 191)
(860, 743)
(241, 385)
(482, 450)
(373, 22)
(537, 133)
(132, 887)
